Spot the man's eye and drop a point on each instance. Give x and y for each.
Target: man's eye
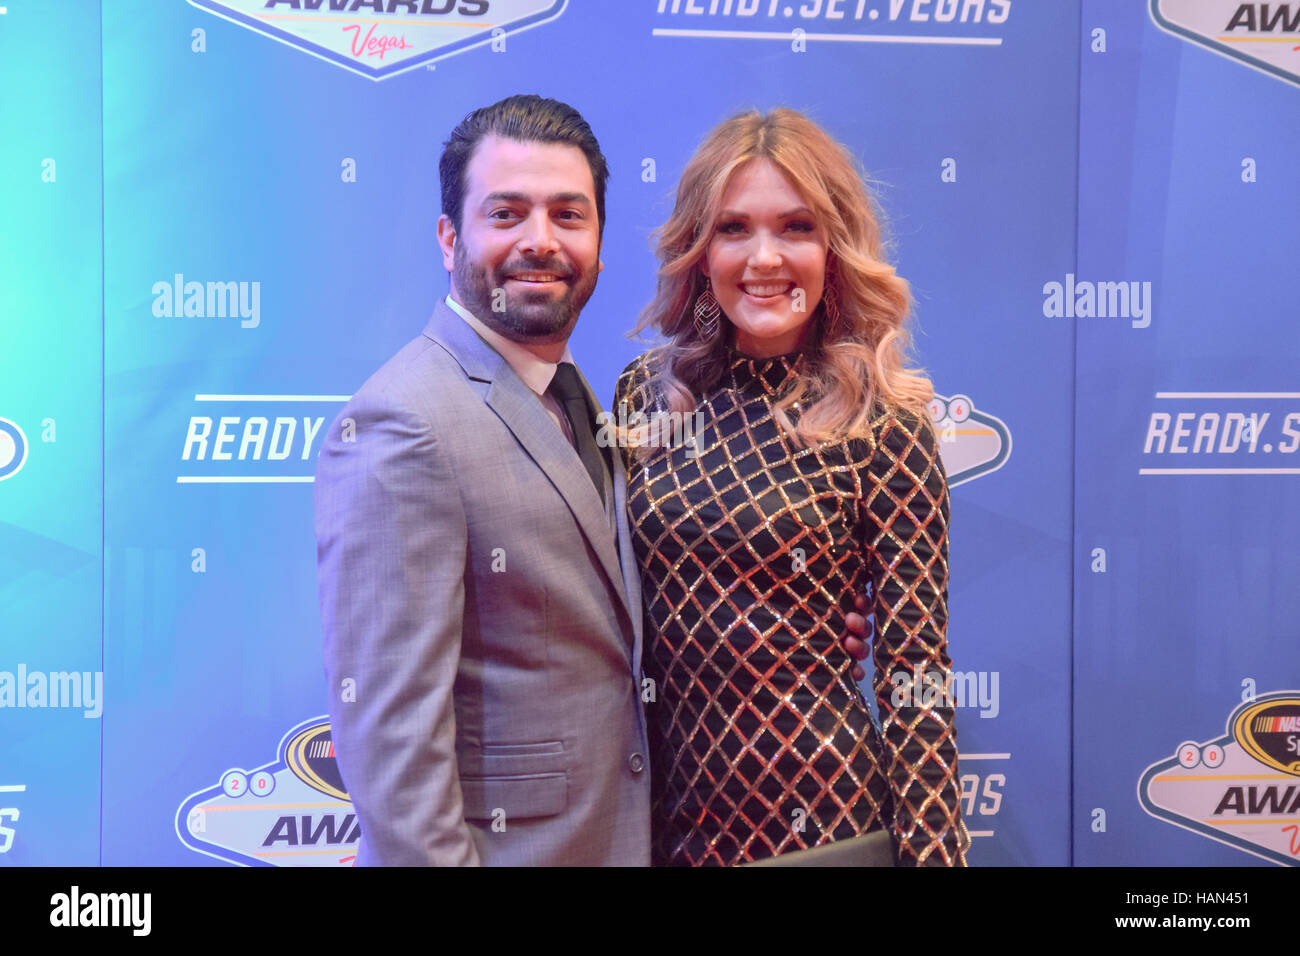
(501, 214)
(569, 214)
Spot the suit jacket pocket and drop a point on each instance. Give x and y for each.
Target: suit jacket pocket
(518, 796)
(522, 750)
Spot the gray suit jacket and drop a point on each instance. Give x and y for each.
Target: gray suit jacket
(482, 621)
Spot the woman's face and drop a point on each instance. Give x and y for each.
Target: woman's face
(767, 260)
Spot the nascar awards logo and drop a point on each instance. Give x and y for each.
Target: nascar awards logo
(274, 815)
(1242, 788)
(971, 442)
(13, 449)
(380, 39)
(1264, 36)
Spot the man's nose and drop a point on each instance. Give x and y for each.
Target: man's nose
(539, 235)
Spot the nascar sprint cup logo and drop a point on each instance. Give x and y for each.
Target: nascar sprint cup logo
(1242, 787)
(381, 38)
(293, 811)
(1265, 36)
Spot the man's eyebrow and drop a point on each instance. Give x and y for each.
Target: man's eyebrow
(553, 199)
(504, 197)
(578, 198)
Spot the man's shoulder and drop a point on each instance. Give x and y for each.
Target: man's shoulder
(415, 399)
(422, 374)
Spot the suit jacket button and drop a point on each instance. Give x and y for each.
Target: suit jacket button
(636, 762)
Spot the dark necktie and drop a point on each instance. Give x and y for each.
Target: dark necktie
(567, 389)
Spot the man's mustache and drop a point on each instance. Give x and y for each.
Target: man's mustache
(553, 266)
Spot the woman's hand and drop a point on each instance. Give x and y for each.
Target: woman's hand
(859, 645)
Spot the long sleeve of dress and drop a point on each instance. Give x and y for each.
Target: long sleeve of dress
(907, 530)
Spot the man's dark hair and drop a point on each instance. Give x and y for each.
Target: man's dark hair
(524, 118)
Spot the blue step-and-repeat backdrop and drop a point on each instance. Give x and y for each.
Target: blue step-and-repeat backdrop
(218, 220)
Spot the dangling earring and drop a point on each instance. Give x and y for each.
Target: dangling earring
(707, 311)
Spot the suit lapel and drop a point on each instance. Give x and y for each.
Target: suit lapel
(626, 556)
(517, 406)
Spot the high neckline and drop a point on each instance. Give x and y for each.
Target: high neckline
(768, 376)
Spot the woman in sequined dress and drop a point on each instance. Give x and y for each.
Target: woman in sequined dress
(802, 470)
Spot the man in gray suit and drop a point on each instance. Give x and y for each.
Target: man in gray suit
(479, 594)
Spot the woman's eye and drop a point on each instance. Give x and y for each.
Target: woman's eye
(731, 227)
(800, 225)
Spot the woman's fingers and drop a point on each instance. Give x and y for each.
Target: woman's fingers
(855, 642)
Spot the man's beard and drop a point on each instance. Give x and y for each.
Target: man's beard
(529, 315)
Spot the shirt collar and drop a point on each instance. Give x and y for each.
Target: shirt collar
(536, 373)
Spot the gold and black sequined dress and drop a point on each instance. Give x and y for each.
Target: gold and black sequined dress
(751, 551)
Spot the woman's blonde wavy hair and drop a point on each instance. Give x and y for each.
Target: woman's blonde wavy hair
(848, 368)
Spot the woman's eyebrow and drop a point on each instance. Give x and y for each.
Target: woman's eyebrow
(733, 214)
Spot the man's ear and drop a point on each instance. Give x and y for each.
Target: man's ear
(447, 241)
